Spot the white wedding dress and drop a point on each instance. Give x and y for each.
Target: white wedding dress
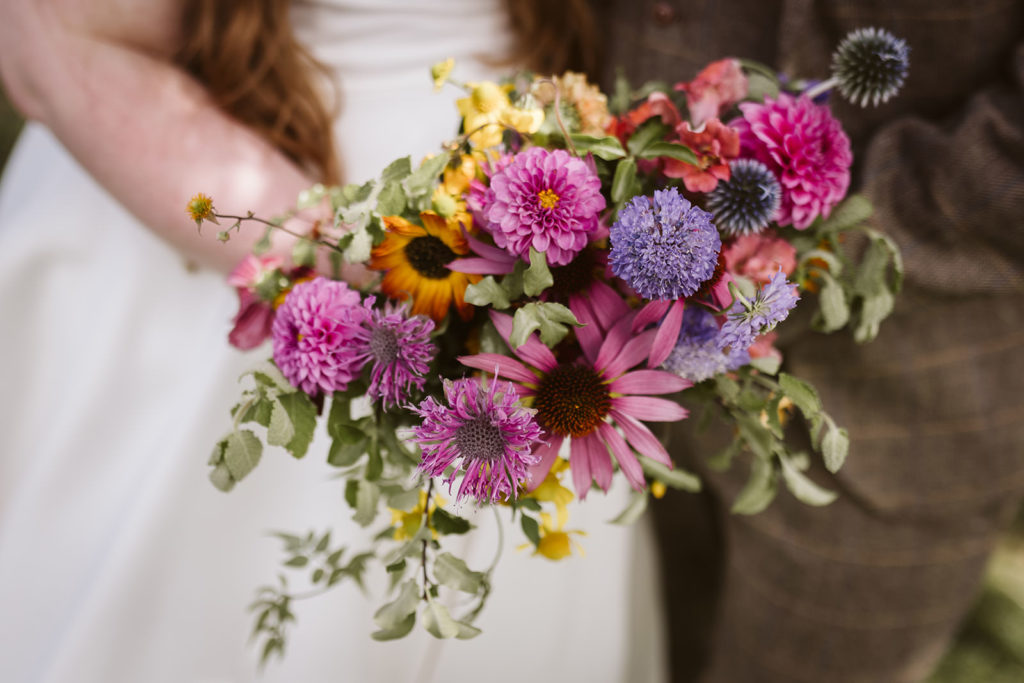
(119, 562)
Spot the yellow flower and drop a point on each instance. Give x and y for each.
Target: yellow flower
(440, 73)
(551, 489)
(456, 179)
(200, 208)
(523, 120)
(658, 489)
(408, 522)
(482, 113)
(555, 542)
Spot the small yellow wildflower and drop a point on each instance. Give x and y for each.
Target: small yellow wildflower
(200, 208)
(440, 73)
(456, 178)
(523, 120)
(556, 542)
(658, 489)
(408, 522)
(482, 112)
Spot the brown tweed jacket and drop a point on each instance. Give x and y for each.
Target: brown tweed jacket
(871, 587)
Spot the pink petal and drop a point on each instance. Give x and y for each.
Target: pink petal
(533, 351)
(608, 305)
(487, 251)
(613, 343)
(600, 461)
(650, 409)
(589, 336)
(503, 365)
(667, 335)
(650, 313)
(481, 266)
(628, 463)
(649, 382)
(632, 353)
(547, 452)
(579, 464)
(642, 439)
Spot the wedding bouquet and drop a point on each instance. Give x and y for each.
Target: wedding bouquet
(569, 269)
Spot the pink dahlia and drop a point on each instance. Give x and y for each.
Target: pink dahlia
(399, 349)
(545, 199)
(486, 431)
(585, 399)
(805, 146)
(314, 334)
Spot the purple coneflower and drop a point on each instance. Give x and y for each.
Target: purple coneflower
(313, 333)
(584, 400)
(399, 349)
(483, 428)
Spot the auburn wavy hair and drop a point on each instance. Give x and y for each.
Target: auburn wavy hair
(246, 55)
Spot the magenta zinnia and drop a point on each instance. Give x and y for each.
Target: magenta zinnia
(313, 333)
(584, 400)
(483, 428)
(548, 200)
(807, 150)
(398, 348)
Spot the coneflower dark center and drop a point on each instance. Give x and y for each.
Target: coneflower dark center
(478, 439)
(572, 401)
(429, 256)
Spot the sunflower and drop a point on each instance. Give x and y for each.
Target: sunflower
(416, 260)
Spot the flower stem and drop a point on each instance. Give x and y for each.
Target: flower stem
(426, 525)
(251, 217)
(822, 87)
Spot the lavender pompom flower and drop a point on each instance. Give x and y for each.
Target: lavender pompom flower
(747, 202)
(483, 428)
(545, 199)
(664, 248)
(399, 349)
(313, 333)
(696, 355)
(745, 319)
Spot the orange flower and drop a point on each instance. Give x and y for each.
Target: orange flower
(416, 260)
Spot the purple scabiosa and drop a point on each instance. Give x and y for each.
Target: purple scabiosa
(486, 430)
(664, 248)
(745, 203)
(746, 319)
(696, 355)
(398, 348)
(313, 334)
(805, 147)
(545, 199)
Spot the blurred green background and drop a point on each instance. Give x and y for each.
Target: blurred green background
(990, 646)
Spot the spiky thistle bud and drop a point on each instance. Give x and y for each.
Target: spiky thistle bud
(870, 66)
(747, 202)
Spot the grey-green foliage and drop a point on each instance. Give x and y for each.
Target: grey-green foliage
(859, 270)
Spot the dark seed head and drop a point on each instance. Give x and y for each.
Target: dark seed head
(746, 203)
(871, 65)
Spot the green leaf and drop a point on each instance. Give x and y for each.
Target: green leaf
(488, 292)
(398, 610)
(280, 429)
(835, 312)
(871, 273)
(374, 462)
(835, 266)
(672, 150)
(757, 437)
(304, 252)
(647, 134)
(622, 182)
(768, 365)
(727, 388)
(549, 318)
(446, 523)
(452, 572)
(853, 211)
(268, 375)
(802, 488)
(635, 509)
(297, 562)
(397, 170)
(302, 413)
(721, 460)
(220, 477)
(873, 311)
(467, 631)
(537, 277)
(801, 393)
(835, 447)
(760, 86)
(438, 622)
(399, 630)
(422, 181)
(343, 454)
(391, 200)
(367, 497)
(677, 478)
(759, 490)
(530, 528)
(608, 147)
(242, 452)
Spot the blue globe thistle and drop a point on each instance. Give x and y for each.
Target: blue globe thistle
(696, 356)
(747, 202)
(664, 248)
(745, 319)
(870, 65)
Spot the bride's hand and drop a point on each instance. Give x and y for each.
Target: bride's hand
(100, 75)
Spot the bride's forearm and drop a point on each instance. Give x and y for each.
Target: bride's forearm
(147, 132)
